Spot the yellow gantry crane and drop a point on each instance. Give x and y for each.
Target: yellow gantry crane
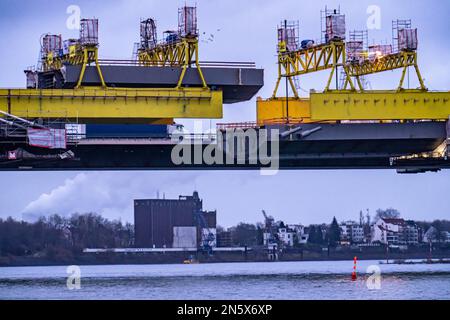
(387, 58)
(347, 103)
(103, 104)
(178, 49)
(316, 58)
(177, 52)
(78, 52)
(401, 60)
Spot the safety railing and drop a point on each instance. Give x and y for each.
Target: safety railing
(203, 64)
(237, 125)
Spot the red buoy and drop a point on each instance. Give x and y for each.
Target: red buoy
(354, 269)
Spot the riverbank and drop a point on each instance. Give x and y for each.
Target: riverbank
(110, 258)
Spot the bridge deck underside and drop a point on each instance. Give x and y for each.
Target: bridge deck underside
(335, 146)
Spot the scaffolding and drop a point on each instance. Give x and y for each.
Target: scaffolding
(89, 32)
(36, 134)
(402, 54)
(397, 26)
(149, 37)
(357, 46)
(135, 53)
(332, 25)
(32, 77)
(51, 44)
(357, 52)
(50, 51)
(187, 22)
(378, 51)
(288, 36)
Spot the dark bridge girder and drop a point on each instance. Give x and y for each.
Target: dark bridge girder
(334, 146)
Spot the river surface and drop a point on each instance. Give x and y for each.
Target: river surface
(242, 281)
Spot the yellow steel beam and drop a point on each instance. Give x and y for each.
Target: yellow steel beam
(369, 105)
(112, 103)
(314, 59)
(172, 54)
(380, 105)
(403, 59)
(385, 63)
(275, 110)
(87, 52)
(160, 121)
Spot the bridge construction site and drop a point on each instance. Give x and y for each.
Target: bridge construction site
(81, 112)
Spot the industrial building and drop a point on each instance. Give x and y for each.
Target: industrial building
(174, 223)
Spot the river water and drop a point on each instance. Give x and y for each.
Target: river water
(259, 281)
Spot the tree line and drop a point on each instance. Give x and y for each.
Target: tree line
(62, 236)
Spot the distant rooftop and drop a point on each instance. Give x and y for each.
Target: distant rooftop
(394, 221)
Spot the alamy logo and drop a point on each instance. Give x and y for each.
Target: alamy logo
(373, 282)
(374, 19)
(74, 279)
(230, 147)
(73, 21)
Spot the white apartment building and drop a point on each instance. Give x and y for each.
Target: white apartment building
(351, 232)
(387, 231)
(299, 230)
(286, 236)
(395, 232)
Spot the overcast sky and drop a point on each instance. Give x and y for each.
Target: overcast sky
(242, 31)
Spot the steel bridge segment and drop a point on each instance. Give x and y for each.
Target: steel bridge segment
(374, 106)
(335, 146)
(238, 84)
(123, 104)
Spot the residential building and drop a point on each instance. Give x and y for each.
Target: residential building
(388, 231)
(446, 236)
(396, 232)
(351, 233)
(358, 234)
(411, 233)
(300, 233)
(286, 236)
(268, 239)
(303, 239)
(431, 235)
